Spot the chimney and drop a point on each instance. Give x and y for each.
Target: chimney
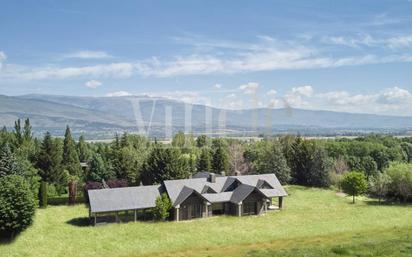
(212, 177)
(223, 173)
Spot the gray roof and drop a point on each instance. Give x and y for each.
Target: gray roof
(130, 198)
(247, 184)
(241, 192)
(123, 198)
(218, 198)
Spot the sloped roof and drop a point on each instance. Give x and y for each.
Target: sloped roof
(271, 179)
(129, 198)
(241, 192)
(272, 192)
(184, 194)
(123, 198)
(247, 184)
(262, 183)
(206, 190)
(219, 197)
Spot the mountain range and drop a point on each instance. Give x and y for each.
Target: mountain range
(102, 117)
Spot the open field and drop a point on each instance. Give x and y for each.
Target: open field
(314, 222)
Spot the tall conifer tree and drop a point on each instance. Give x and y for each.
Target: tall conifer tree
(71, 164)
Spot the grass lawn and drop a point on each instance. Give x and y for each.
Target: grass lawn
(314, 222)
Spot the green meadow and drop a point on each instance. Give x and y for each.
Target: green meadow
(314, 222)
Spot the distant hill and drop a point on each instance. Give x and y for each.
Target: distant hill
(101, 117)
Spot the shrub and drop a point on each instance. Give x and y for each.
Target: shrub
(63, 200)
(43, 194)
(91, 185)
(335, 179)
(401, 176)
(17, 205)
(113, 183)
(354, 183)
(163, 206)
(379, 185)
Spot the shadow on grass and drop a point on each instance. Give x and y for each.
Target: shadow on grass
(8, 239)
(4, 241)
(388, 203)
(80, 222)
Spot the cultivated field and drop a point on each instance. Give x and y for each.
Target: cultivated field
(314, 222)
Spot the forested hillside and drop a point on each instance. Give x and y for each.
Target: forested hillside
(101, 117)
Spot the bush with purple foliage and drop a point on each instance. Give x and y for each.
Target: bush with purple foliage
(113, 183)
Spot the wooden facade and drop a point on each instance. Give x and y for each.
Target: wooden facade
(196, 207)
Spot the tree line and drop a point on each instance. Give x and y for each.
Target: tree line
(62, 165)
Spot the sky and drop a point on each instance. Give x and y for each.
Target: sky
(352, 56)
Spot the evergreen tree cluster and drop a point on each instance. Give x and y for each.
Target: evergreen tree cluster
(68, 163)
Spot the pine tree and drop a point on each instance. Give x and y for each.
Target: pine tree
(220, 162)
(27, 131)
(124, 140)
(97, 169)
(17, 132)
(83, 149)
(8, 162)
(204, 162)
(116, 142)
(164, 164)
(71, 164)
(49, 160)
(49, 165)
(70, 161)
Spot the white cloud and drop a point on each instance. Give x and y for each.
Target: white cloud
(88, 55)
(395, 95)
(217, 86)
(303, 90)
(249, 88)
(393, 43)
(93, 84)
(118, 94)
(267, 60)
(383, 102)
(271, 92)
(390, 101)
(268, 54)
(400, 42)
(297, 97)
(116, 70)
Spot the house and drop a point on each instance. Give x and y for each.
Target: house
(203, 195)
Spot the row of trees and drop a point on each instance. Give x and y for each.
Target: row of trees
(393, 182)
(137, 160)
(53, 165)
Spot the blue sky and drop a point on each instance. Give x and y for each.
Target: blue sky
(334, 55)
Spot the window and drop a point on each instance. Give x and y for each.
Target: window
(232, 186)
(208, 190)
(262, 184)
